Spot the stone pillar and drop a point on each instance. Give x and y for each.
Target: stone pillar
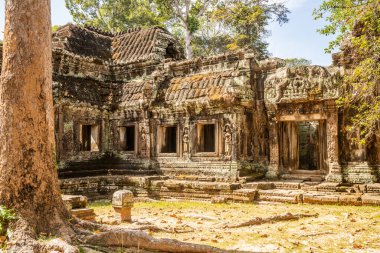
(274, 161)
(335, 170)
(186, 150)
(122, 202)
(144, 139)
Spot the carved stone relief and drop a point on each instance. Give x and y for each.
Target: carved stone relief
(227, 132)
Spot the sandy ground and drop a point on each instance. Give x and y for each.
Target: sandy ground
(336, 229)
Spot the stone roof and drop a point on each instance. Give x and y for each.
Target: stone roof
(80, 90)
(226, 86)
(135, 93)
(134, 45)
(83, 41)
(145, 44)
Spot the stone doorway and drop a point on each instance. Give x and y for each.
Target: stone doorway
(308, 145)
(303, 146)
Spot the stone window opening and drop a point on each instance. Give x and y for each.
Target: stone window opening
(127, 138)
(206, 138)
(89, 138)
(168, 139)
(170, 52)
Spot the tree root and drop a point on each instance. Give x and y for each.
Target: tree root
(129, 238)
(272, 219)
(88, 233)
(58, 245)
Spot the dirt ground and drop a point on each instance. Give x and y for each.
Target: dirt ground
(335, 229)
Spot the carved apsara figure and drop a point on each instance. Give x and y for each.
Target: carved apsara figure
(227, 140)
(186, 141)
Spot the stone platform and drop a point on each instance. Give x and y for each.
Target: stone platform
(159, 187)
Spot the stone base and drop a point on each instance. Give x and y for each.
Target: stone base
(272, 173)
(359, 173)
(124, 213)
(335, 173)
(334, 178)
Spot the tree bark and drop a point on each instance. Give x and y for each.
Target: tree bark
(28, 177)
(188, 39)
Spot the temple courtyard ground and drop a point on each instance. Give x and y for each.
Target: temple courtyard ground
(260, 227)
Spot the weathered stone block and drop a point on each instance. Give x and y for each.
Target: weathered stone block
(259, 185)
(122, 198)
(122, 202)
(287, 185)
(84, 213)
(348, 199)
(244, 195)
(330, 199)
(76, 201)
(371, 199)
(373, 188)
(312, 198)
(280, 195)
(327, 187)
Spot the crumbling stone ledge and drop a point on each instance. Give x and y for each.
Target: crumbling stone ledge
(156, 187)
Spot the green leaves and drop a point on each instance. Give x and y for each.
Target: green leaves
(356, 22)
(292, 62)
(6, 216)
(115, 15)
(206, 26)
(245, 21)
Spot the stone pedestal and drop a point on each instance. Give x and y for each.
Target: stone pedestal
(122, 202)
(335, 173)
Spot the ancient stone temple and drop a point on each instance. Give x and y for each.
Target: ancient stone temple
(129, 103)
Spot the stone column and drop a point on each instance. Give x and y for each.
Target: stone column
(186, 152)
(144, 139)
(335, 170)
(274, 161)
(122, 202)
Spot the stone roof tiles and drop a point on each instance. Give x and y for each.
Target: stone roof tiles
(205, 88)
(83, 41)
(134, 45)
(135, 93)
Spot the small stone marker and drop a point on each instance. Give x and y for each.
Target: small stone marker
(122, 202)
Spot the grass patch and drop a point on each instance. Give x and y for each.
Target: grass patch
(336, 229)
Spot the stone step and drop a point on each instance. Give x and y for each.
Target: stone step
(303, 177)
(290, 185)
(259, 185)
(280, 195)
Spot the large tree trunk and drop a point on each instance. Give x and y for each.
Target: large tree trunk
(28, 177)
(188, 39)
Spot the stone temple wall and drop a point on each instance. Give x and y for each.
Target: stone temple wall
(130, 104)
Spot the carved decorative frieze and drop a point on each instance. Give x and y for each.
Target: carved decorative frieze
(300, 83)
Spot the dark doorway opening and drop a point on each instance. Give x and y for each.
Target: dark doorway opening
(206, 138)
(130, 138)
(127, 138)
(169, 140)
(308, 145)
(86, 138)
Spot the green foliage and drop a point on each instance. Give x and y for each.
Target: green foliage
(205, 26)
(6, 216)
(292, 62)
(54, 28)
(246, 21)
(356, 23)
(115, 15)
